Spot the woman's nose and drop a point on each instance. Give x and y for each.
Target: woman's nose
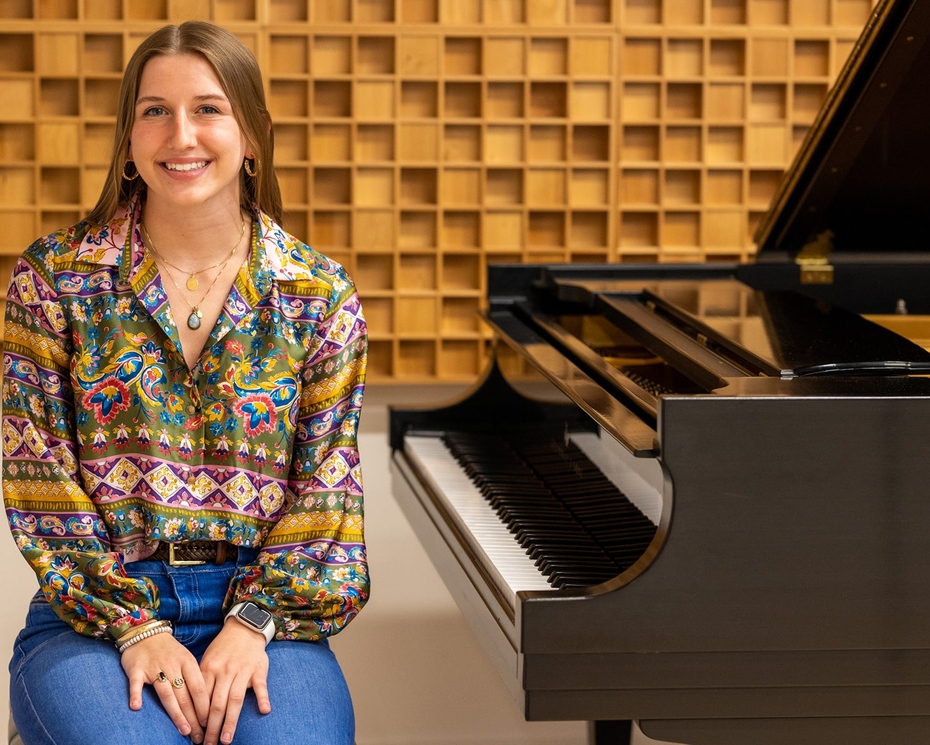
(183, 131)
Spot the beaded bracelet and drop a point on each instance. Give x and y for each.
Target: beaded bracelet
(166, 627)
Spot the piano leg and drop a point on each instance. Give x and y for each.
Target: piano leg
(610, 733)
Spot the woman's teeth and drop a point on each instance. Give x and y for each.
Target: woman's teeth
(185, 166)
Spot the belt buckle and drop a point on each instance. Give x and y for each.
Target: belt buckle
(182, 562)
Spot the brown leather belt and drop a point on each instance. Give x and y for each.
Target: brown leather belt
(190, 553)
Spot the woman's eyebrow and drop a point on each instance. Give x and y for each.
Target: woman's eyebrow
(161, 99)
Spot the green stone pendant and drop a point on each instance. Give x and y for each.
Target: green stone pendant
(193, 320)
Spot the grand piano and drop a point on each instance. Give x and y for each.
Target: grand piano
(698, 497)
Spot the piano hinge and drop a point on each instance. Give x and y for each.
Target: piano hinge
(814, 260)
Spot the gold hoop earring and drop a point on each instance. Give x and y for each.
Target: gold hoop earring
(248, 167)
(133, 177)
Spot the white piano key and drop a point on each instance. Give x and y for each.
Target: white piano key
(511, 569)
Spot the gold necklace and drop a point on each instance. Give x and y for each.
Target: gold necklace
(193, 320)
(192, 282)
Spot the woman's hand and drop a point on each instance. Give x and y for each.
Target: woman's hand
(234, 662)
(160, 660)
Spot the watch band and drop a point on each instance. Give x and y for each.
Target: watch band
(268, 630)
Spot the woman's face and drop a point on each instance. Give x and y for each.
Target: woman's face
(185, 141)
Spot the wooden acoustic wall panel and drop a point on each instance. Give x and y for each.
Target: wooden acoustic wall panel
(420, 140)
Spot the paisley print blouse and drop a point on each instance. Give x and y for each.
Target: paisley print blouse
(111, 444)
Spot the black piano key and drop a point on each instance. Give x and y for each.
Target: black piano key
(572, 521)
(586, 566)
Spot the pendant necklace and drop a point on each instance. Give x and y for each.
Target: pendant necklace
(194, 319)
(192, 282)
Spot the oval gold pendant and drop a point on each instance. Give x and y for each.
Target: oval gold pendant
(192, 283)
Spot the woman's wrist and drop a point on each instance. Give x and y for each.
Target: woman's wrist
(127, 633)
(143, 631)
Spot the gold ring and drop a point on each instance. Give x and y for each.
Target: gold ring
(162, 677)
(178, 682)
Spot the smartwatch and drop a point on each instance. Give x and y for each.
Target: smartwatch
(255, 617)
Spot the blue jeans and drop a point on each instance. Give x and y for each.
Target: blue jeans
(68, 689)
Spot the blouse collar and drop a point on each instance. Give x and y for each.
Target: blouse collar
(275, 256)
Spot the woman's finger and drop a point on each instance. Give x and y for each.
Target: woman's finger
(184, 697)
(234, 703)
(136, 682)
(197, 690)
(164, 688)
(260, 688)
(217, 715)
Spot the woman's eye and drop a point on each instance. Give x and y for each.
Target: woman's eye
(207, 109)
(153, 111)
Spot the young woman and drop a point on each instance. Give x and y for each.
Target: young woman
(182, 382)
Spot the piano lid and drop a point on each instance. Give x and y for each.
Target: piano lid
(770, 332)
(861, 181)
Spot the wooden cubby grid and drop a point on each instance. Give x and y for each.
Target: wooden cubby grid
(419, 141)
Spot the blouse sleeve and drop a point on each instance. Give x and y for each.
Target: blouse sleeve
(312, 571)
(54, 522)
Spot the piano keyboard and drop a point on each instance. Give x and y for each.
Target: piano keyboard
(510, 568)
(541, 518)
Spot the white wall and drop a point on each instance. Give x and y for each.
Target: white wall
(416, 673)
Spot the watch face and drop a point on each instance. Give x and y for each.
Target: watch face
(254, 615)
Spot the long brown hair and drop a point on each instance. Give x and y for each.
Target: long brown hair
(240, 77)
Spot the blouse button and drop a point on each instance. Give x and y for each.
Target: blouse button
(191, 409)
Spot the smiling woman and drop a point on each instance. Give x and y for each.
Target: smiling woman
(189, 492)
(185, 143)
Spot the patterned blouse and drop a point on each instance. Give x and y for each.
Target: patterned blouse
(111, 444)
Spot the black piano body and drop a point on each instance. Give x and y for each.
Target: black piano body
(772, 419)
